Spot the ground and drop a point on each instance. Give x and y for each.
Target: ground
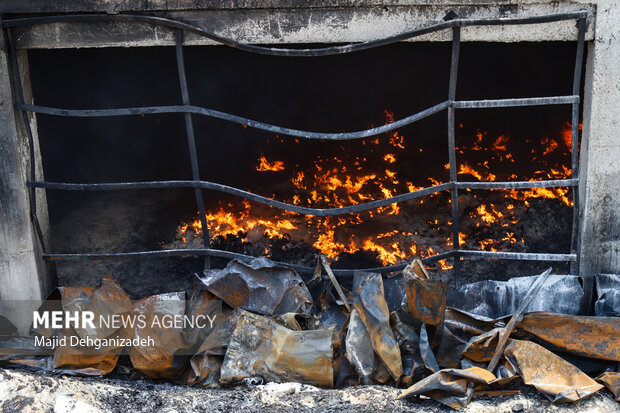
(29, 391)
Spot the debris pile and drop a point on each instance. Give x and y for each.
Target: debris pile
(408, 330)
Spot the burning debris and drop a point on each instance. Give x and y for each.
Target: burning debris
(270, 325)
(374, 172)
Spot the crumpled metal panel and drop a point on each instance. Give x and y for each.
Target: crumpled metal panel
(369, 301)
(426, 352)
(106, 300)
(608, 295)
(408, 338)
(359, 349)
(611, 380)
(464, 325)
(260, 286)
(405, 331)
(201, 303)
(297, 322)
(452, 387)
(556, 378)
(395, 295)
(160, 361)
(560, 294)
(22, 350)
(336, 316)
(593, 337)
(481, 348)
(261, 347)
(448, 352)
(205, 365)
(426, 300)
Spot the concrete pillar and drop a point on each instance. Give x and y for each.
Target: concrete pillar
(23, 274)
(599, 245)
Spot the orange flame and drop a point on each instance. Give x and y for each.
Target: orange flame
(265, 165)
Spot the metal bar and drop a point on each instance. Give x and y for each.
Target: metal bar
(227, 254)
(21, 100)
(454, 194)
(522, 256)
(192, 144)
(555, 183)
(51, 267)
(322, 51)
(510, 103)
(304, 210)
(245, 194)
(237, 119)
(581, 24)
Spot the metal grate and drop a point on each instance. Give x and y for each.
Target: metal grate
(450, 104)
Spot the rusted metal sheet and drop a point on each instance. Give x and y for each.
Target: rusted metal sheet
(369, 301)
(594, 337)
(107, 300)
(426, 299)
(160, 361)
(261, 287)
(452, 387)
(297, 322)
(261, 347)
(611, 380)
(416, 269)
(73, 359)
(464, 325)
(481, 348)
(556, 378)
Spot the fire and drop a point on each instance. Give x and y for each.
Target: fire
(265, 165)
(464, 168)
(488, 214)
(348, 178)
(567, 134)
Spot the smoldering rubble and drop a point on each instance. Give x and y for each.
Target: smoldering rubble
(405, 330)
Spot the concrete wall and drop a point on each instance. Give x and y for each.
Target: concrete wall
(23, 274)
(599, 246)
(317, 24)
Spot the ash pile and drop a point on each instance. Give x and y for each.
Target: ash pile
(408, 330)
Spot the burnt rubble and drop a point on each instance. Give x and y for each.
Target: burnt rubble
(408, 331)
